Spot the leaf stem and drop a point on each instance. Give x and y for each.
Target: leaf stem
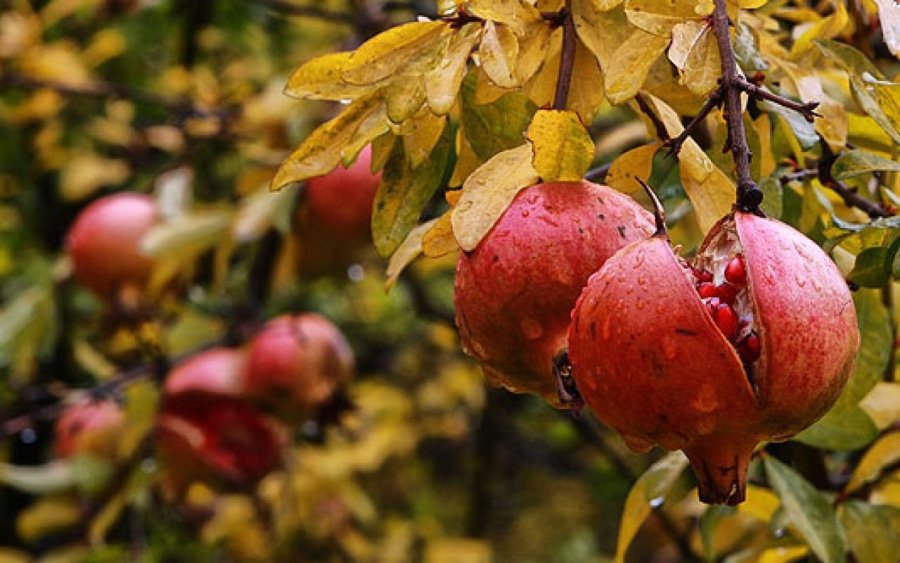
(567, 58)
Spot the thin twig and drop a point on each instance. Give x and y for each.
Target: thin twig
(661, 132)
(599, 173)
(749, 196)
(567, 58)
(848, 194)
(798, 176)
(807, 109)
(714, 101)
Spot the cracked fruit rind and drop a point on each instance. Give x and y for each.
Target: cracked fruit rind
(514, 292)
(651, 359)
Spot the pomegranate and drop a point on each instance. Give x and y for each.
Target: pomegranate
(297, 364)
(104, 242)
(341, 201)
(206, 430)
(751, 342)
(514, 292)
(90, 427)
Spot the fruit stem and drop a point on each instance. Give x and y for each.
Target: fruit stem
(720, 465)
(565, 383)
(659, 213)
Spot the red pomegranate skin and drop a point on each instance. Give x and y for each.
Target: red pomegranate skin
(207, 430)
(675, 380)
(514, 292)
(341, 201)
(297, 363)
(104, 242)
(90, 428)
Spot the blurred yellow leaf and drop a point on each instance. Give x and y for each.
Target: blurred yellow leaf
(106, 44)
(320, 79)
(563, 149)
(783, 554)
(884, 452)
(457, 550)
(10, 555)
(825, 28)
(711, 192)
(47, 515)
(85, 173)
(187, 235)
(59, 61)
(761, 503)
(636, 163)
(383, 55)
(320, 153)
(442, 83)
(488, 191)
(882, 404)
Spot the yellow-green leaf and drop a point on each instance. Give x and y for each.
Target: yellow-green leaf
(636, 163)
(409, 250)
(695, 53)
(489, 191)
(871, 530)
(648, 492)
(383, 55)
(320, 153)
(630, 64)
(439, 240)
(711, 192)
(884, 452)
(443, 82)
(492, 128)
(404, 192)
(320, 79)
(825, 28)
(425, 131)
(882, 404)
(563, 149)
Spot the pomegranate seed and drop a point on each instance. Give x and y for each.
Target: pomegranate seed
(726, 293)
(707, 289)
(711, 305)
(702, 275)
(735, 271)
(748, 349)
(726, 320)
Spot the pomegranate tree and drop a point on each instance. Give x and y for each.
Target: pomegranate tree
(90, 428)
(206, 430)
(297, 364)
(104, 242)
(514, 292)
(752, 341)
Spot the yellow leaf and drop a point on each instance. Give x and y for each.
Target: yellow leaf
(498, 51)
(186, 236)
(695, 53)
(766, 158)
(489, 191)
(320, 153)
(630, 64)
(563, 149)
(386, 53)
(752, 4)
(653, 485)
(659, 18)
(408, 251)
(889, 14)
(882, 404)
(883, 453)
(320, 79)
(442, 83)
(586, 93)
(466, 161)
(404, 96)
(105, 45)
(457, 550)
(761, 503)
(46, 516)
(425, 131)
(601, 30)
(86, 173)
(825, 28)
(636, 163)
(542, 87)
(532, 49)
(783, 554)
(517, 14)
(439, 240)
(711, 192)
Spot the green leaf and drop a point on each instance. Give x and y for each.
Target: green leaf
(773, 196)
(708, 522)
(563, 149)
(648, 492)
(840, 429)
(872, 268)
(803, 130)
(871, 531)
(857, 162)
(404, 192)
(810, 512)
(495, 127)
(857, 65)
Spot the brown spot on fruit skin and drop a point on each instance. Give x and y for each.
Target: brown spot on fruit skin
(549, 241)
(808, 339)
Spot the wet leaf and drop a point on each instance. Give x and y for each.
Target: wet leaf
(443, 82)
(489, 191)
(659, 18)
(563, 149)
(492, 128)
(517, 14)
(406, 253)
(883, 453)
(650, 490)
(871, 530)
(498, 52)
(808, 510)
(439, 240)
(320, 79)
(627, 167)
(385, 54)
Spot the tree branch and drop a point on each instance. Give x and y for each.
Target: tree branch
(567, 58)
(848, 194)
(714, 101)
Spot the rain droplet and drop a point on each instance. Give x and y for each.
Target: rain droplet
(657, 502)
(28, 436)
(801, 281)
